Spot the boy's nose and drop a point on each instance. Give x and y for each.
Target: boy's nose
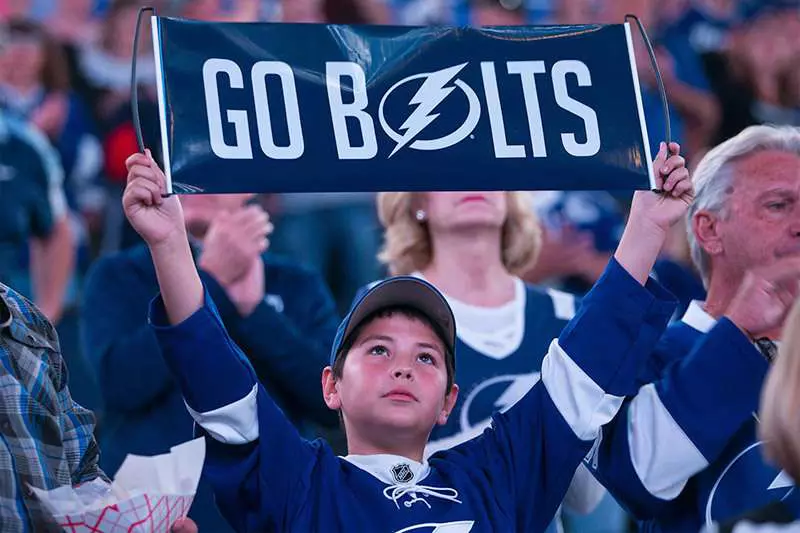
(402, 373)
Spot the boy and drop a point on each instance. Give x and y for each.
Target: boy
(392, 379)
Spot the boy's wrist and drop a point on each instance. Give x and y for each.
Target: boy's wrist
(169, 245)
(645, 230)
(639, 248)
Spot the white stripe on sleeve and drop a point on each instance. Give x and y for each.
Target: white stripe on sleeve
(235, 423)
(663, 456)
(581, 401)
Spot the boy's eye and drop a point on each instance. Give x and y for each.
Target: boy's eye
(378, 350)
(427, 359)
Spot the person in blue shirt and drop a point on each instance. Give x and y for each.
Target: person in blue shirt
(254, 292)
(391, 377)
(38, 90)
(33, 212)
(35, 87)
(684, 452)
(779, 428)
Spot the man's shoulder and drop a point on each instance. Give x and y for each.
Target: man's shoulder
(680, 333)
(676, 342)
(297, 286)
(24, 139)
(25, 311)
(134, 257)
(29, 327)
(131, 264)
(284, 267)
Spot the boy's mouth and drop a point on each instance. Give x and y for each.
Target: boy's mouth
(400, 395)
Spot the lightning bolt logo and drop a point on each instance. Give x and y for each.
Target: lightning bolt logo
(436, 87)
(783, 481)
(518, 388)
(427, 98)
(464, 526)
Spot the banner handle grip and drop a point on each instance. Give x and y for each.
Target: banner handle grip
(137, 126)
(659, 80)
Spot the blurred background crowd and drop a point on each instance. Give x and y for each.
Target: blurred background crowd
(65, 71)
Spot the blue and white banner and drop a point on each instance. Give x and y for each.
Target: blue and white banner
(264, 107)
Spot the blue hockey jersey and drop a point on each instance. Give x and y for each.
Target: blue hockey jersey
(684, 453)
(511, 478)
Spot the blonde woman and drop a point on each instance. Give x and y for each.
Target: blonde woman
(473, 246)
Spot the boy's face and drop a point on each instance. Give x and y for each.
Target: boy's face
(393, 381)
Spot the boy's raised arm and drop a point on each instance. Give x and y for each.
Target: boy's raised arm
(160, 223)
(218, 383)
(593, 364)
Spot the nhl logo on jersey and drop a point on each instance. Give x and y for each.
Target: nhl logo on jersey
(402, 473)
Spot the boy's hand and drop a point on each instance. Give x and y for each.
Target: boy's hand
(155, 218)
(661, 210)
(653, 214)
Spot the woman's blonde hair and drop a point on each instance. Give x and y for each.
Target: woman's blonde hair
(407, 242)
(779, 426)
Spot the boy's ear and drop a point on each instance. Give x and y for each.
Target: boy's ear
(449, 404)
(329, 391)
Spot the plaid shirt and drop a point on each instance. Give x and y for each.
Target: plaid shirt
(46, 439)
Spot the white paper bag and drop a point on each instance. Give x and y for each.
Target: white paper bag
(148, 494)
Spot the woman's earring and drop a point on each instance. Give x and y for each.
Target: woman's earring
(420, 215)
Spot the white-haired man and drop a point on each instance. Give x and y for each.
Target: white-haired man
(684, 452)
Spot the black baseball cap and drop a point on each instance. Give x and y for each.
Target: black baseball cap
(400, 291)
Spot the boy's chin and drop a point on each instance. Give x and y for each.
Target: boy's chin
(406, 422)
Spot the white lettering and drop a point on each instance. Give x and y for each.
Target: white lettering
(266, 137)
(241, 148)
(351, 110)
(566, 102)
(335, 71)
(501, 147)
(527, 71)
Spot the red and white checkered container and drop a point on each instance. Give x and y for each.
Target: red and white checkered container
(141, 514)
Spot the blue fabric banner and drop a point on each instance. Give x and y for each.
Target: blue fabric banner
(264, 107)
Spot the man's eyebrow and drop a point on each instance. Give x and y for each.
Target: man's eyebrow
(778, 191)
